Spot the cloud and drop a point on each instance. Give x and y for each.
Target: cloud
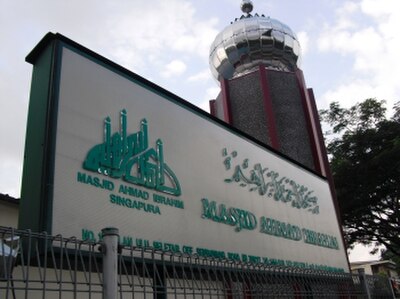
(14, 87)
(137, 31)
(202, 76)
(211, 94)
(205, 105)
(304, 41)
(361, 253)
(174, 68)
(372, 43)
(381, 9)
(10, 173)
(351, 93)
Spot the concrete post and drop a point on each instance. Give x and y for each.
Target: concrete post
(364, 282)
(110, 262)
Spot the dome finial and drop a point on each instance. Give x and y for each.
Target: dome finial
(246, 6)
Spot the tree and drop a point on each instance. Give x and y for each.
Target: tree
(364, 154)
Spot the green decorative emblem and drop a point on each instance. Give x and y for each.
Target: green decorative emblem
(129, 158)
(268, 182)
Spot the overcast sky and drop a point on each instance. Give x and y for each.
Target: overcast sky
(350, 50)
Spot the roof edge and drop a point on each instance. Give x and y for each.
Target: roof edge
(9, 199)
(33, 55)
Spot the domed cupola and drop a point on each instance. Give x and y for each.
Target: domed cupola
(250, 41)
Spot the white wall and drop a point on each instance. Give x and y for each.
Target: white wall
(8, 214)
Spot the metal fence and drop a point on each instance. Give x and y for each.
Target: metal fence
(36, 265)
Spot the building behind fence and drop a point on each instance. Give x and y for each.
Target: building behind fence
(36, 265)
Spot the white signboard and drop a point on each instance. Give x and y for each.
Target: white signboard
(169, 177)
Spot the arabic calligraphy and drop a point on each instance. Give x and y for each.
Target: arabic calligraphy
(269, 183)
(129, 158)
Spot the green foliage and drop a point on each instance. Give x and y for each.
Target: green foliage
(359, 116)
(365, 163)
(389, 255)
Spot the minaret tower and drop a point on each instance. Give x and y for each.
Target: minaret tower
(256, 59)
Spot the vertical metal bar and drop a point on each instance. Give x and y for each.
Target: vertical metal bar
(174, 275)
(120, 278)
(110, 262)
(144, 271)
(90, 246)
(159, 282)
(28, 263)
(133, 267)
(61, 265)
(391, 287)
(75, 276)
(44, 285)
(8, 264)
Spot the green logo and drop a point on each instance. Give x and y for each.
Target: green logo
(269, 183)
(129, 158)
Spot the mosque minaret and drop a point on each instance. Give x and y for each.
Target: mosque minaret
(256, 60)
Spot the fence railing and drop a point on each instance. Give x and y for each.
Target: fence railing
(37, 265)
